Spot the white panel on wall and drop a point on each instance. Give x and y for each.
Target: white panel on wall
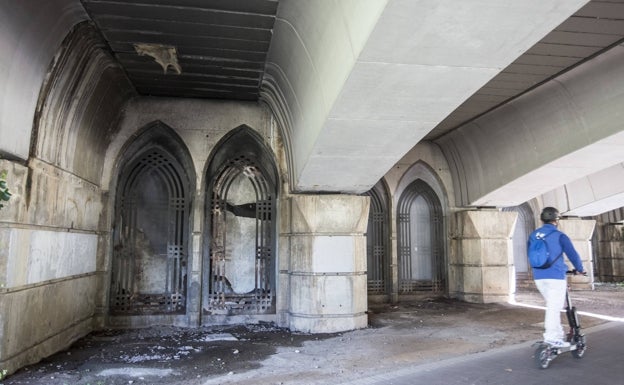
(38, 256)
(333, 254)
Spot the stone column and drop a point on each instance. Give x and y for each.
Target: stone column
(481, 257)
(323, 263)
(580, 232)
(611, 258)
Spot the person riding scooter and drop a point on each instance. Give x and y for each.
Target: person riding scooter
(551, 280)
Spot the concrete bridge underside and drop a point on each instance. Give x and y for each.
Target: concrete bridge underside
(362, 103)
(356, 85)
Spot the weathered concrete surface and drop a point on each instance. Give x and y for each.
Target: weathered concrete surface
(322, 237)
(47, 261)
(611, 249)
(356, 85)
(39, 320)
(31, 32)
(56, 126)
(580, 233)
(199, 123)
(481, 257)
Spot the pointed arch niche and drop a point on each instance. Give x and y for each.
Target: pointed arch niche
(524, 226)
(378, 241)
(152, 225)
(421, 255)
(240, 250)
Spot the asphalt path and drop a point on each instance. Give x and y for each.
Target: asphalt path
(603, 363)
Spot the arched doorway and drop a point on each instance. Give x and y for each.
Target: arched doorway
(524, 226)
(377, 242)
(151, 226)
(241, 194)
(421, 266)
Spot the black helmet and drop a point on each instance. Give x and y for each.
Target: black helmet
(549, 214)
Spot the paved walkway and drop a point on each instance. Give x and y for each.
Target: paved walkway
(602, 364)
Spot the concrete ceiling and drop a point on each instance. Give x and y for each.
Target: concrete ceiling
(220, 45)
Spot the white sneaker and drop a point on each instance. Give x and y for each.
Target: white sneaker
(558, 344)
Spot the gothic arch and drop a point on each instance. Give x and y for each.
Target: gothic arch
(240, 232)
(420, 241)
(150, 254)
(423, 171)
(524, 226)
(377, 241)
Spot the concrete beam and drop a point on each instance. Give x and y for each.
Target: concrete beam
(567, 129)
(351, 107)
(590, 195)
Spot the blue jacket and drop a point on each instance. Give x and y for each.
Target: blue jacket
(557, 243)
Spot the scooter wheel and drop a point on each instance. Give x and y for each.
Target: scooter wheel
(542, 356)
(581, 347)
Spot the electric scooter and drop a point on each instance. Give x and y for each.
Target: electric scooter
(545, 352)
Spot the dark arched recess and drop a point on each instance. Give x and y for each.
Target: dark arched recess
(240, 231)
(152, 225)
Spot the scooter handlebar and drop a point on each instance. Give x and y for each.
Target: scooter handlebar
(575, 272)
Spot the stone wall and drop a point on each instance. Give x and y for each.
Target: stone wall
(49, 230)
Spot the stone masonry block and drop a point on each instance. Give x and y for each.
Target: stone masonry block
(328, 325)
(578, 230)
(496, 280)
(328, 254)
(486, 251)
(73, 302)
(473, 279)
(36, 256)
(329, 214)
(486, 224)
(472, 251)
(321, 295)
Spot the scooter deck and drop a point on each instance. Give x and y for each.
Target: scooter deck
(559, 350)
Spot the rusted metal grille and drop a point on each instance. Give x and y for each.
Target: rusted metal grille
(419, 229)
(149, 267)
(229, 292)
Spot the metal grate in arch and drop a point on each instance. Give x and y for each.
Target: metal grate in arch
(242, 206)
(149, 262)
(421, 265)
(377, 241)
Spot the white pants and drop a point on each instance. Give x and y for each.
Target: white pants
(553, 291)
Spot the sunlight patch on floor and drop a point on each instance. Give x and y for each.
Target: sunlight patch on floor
(583, 313)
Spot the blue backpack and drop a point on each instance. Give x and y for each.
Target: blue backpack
(539, 256)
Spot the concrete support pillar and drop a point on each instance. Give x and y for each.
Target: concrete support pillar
(611, 258)
(323, 263)
(481, 257)
(580, 232)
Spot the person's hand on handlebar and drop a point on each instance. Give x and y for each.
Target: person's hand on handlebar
(576, 272)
